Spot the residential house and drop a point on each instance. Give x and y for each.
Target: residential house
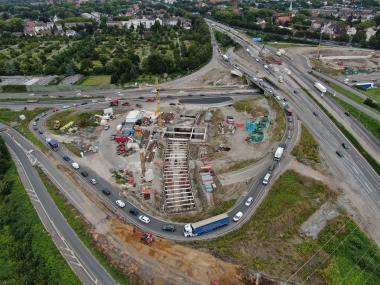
(29, 28)
(70, 33)
(283, 19)
(351, 31)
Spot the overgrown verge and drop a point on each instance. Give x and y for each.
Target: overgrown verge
(373, 162)
(270, 240)
(81, 227)
(370, 123)
(27, 253)
(280, 122)
(307, 150)
(224, 41)
(9, 116)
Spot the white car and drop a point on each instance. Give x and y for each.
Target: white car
(120, 203)
(75, 165)
(34, 124)
(93, 181)
(237, 216)
(65, 107)
(249, 201)
(257, 59)
(144, 219)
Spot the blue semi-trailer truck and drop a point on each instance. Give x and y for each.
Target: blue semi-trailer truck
(205, 226)
(52, 143)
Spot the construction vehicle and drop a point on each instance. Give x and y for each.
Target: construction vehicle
(147, 238)
(120, 139)
(57, 125)
(52, 143)
(114, 102)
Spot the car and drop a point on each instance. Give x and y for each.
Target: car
(338, 153)
(84, 173)
(290, 119)
(266, 178)
(249, 201)
(37, 119)
(271, 168)
(93, 181)
(141, 97)
(295, 92)
(315, 114)
(125, 104)
(34, 123)
(172, 104)
(257, 59)
(65, 107)
(345, 146)
(134, 211)
(237, 216)
(35, 128)
(75, 165)
(66, 158)
(84, 103)
(120, 203)
(106, 192)
(106, 127)
(169, 228)
(144, 219)
(347, 114)
(40, 132)
(55, 109)
(202, 95)
(284, 99)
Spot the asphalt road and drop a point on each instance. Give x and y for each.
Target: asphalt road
(93, 272)
(353, 169)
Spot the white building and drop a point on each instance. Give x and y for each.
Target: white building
(132, 117)
(147, 23)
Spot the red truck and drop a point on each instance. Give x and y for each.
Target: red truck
(114, 102)
(150, 99)
(120, 139)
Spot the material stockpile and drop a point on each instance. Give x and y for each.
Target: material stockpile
(255, 129)
(166, 118)
(207, 180)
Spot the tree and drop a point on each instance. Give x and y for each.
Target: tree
(359, 37)
(85, 65)
(103, 59)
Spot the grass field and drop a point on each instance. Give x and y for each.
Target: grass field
(307, 150)
(367, 121)
(81, 227)
(270, 241)
(286, 45)
(317, 65)
(72, 148)
(7, 116)
(374, 93)
(239, 165)
(280, 122)
(96, 80)
(347, 93)
(251, 106)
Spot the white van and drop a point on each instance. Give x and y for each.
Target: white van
(266, 178)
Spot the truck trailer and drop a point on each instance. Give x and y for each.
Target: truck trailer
(278, 153)
(205, 226)
(52, 143)
(320, 87)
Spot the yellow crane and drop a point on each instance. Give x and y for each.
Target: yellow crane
(158, 107)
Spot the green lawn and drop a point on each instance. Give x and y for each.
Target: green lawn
(96, 80)
(81, 227)
(346, 93)
(374, 93)
(286, 45)
(307, 150)
(72, 148)
(7, 116)
(250, 106)
(367, 121)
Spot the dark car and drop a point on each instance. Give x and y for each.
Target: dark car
(37, 119)
(271, 168)
(347, 114)
(84, 103)
(295, 92)
(172, 104)
(141, 97)
(134, 211)
(344, 146)
(66, 158)
(40, 132)
(315, 114)
(290, 119)
(35, 128)
(106, 192)
(284, 99)
(125, 104)
(84, 173)
(338, 153)
(169, 228)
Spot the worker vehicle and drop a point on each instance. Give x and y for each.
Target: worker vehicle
(75, 165)
(93, 181)
(134, 211)
(84, 173)
(266, 178)
(249, 201)
(106, 192)
(205, 226)
(278, 154)
(120, 203)
(144, 219)
(237, 216)
(169, 228)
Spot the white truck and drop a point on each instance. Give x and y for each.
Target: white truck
(225, 57)
(320, 87)
(278, 153)
(280, 79)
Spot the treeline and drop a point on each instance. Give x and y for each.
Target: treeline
(224, 40)
(27, 253)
